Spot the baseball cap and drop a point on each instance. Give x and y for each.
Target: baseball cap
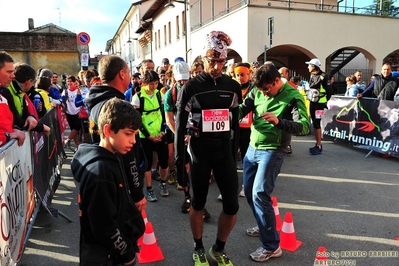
(181, 71)
(179, 59)
(315, 62)
(165, 60)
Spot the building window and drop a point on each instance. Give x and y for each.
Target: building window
(159, 39)
(183, 22)
(164, 35)
(170, 32)
(147, 48)
(156, 41)
(177, 28)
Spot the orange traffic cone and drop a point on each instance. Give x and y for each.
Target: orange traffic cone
(279, 224)
(321, 256)
(150, 251)
(144, 214)
(287, 235)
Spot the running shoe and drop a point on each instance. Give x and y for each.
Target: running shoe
(316, 150)
(221, 257)
(262, 255)
(254, 231)
(242, 193)
(185, 207)
(163, 190)
(151, 195)
(178, 186)
(289, 149)
(155, 175)
(205, 214)
(67, 143)
(199, 258)
(172, 178)
(220, 197)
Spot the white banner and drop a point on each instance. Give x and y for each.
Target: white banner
(16, 193)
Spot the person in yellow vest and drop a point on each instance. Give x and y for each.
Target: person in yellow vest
(43, 86)
(321, 82)
(149, 102)
(243, 74)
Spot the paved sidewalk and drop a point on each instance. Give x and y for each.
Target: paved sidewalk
(340, 200)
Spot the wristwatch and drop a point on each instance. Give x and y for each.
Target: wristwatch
(8, 136)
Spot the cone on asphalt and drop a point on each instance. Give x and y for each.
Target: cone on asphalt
(150, 251)
(288, 239)
(144, 214)
(279, 224)
(321, 256)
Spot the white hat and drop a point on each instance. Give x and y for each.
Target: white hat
(181, 71)
(315, 62)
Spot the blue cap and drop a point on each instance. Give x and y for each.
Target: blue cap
(179, 59)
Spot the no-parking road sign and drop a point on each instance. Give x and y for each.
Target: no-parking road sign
(83, 38)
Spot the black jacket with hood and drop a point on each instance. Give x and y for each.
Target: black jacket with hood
(110, 222)
(134, 161)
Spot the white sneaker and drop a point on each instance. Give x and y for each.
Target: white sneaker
(254, 231)
(262, 255)
(242, 193)
(220, 197)
(67, 143)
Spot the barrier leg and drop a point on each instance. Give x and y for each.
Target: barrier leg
(63, 215)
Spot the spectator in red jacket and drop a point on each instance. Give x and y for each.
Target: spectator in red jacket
(7, 132)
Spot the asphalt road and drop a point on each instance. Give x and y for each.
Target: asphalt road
(340, 200)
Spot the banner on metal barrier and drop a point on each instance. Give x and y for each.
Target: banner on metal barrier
(16, 199)
(49, 150)
(367, 123)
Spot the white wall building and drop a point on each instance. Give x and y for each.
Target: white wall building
(299, 31)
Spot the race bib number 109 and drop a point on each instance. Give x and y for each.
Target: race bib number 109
(215, 120)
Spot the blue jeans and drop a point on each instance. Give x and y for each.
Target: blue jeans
(260, 170)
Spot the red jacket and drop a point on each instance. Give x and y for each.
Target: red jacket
(5, 121)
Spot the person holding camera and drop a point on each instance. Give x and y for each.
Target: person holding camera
(321, 82)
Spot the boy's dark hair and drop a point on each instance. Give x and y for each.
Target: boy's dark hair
(119, 114)
(71, 77)
(150, 76)
(109, 66)
(266, 74)
(24, 72)
(5, 58)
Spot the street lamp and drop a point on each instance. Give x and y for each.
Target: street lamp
(171, 5)
(130, 47)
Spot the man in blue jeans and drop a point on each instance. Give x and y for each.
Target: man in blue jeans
(279, 111)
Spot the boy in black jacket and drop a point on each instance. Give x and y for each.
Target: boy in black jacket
(110, 222)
